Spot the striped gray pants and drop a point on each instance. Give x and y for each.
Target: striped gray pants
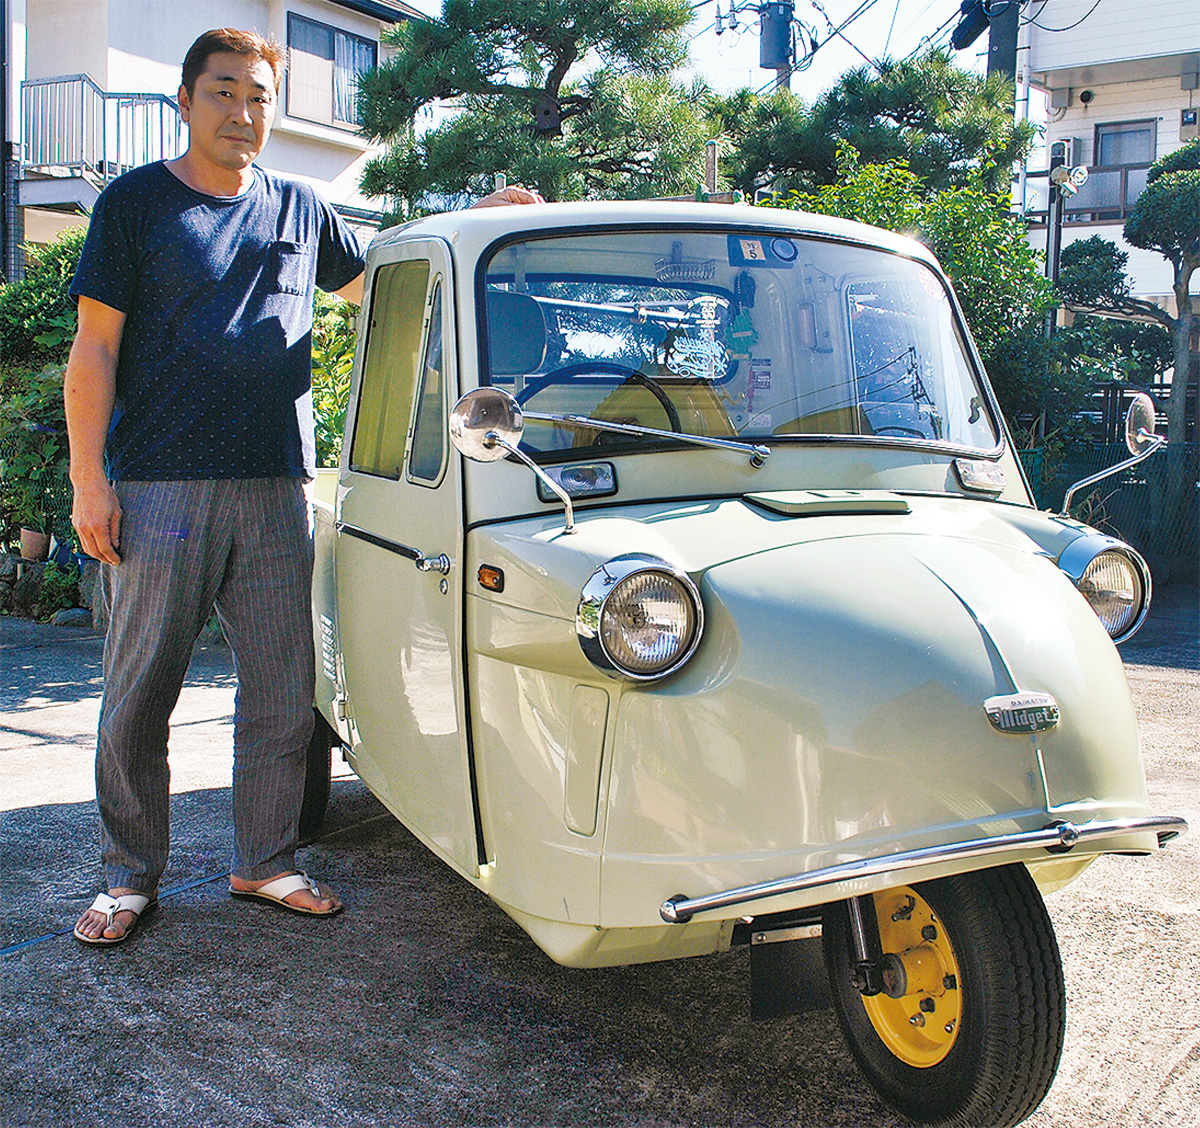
(242, 547)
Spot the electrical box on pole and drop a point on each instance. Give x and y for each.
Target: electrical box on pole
(775, 39)
(972, 23)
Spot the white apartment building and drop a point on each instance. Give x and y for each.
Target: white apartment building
(90, 88)
(1121, 83)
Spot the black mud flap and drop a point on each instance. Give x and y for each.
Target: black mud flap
(787, 976)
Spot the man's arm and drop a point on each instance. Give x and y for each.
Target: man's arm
(352, 292)
(89, 392)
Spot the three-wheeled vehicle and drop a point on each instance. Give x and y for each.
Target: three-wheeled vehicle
(679, 588)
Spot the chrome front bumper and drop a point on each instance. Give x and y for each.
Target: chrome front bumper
(1058, 838)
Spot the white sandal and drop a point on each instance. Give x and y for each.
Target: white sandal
(134, 903)
(276, 890)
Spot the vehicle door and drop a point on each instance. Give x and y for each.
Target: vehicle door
(398, 555)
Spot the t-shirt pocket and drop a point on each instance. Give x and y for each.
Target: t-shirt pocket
(291, 268)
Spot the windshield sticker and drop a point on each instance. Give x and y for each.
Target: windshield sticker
(762, 250)
(741, 336)
(760, 378)
(696, 357)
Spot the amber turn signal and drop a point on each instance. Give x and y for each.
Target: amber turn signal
(490, 578)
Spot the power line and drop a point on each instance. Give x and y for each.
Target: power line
(838, 32)
(1033, 19)
(931, 39)
(891, 27)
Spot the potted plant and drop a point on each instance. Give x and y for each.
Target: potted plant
(34, 484)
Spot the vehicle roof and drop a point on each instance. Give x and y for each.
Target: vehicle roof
(471, 230)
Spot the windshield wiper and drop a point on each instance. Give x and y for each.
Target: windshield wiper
(758, 453)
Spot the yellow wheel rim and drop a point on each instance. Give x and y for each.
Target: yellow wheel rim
(921, 1025)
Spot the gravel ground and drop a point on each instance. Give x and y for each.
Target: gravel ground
(424, 1005)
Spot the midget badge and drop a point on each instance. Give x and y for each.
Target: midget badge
(1022, 712)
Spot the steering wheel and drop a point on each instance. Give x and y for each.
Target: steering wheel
(632, 376)
(900, 431)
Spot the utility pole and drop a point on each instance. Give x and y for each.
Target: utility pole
(1054, 219)
(999, 19)
(1002, 38)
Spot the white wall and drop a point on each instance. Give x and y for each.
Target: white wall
(1117, 30)
(66, 37)
(1157, 99)
(148, 38)
(332, 170)
(1149, 274)
(1161, 99)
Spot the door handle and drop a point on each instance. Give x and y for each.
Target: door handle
(440, 563)
(433, 563)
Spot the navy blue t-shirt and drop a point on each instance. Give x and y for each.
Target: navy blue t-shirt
(214, 376)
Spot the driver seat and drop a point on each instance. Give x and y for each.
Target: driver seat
(516, 334)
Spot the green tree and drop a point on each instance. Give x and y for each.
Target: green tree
(620, 127)
(950, 126)
(1166, 219)
(997, 276)
(332, 365)
(1092, 271)
(37, 315)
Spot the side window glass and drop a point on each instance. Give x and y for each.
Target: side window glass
(390, 369)
(429, 427)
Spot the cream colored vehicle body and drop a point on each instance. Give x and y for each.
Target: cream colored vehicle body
(863, 596)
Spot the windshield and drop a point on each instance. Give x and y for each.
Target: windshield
(729, 335)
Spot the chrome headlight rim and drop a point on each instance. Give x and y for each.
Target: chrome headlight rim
(1082, 553)
(600, 586)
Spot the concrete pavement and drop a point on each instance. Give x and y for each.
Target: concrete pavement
(423, 1004)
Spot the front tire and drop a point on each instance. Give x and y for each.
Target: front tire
(975, 1033)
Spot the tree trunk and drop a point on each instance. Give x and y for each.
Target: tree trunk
(1181, 334)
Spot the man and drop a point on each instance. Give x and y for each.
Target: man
(191, 370)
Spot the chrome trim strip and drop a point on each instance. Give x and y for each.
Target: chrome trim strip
(1056, 838)
(758, 452)
(1156, 442)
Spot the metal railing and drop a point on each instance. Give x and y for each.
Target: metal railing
(72, 127)
(1108, 194)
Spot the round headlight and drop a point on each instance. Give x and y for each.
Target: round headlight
(639, 617)
(1114, 580)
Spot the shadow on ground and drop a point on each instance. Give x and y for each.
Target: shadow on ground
(421, 1004)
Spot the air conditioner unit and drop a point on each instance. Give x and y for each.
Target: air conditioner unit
(1068, 150)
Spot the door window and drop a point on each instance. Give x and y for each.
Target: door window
(428, 452)
(391, 368)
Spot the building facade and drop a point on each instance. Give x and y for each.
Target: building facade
(1121, 84)
(90, 91)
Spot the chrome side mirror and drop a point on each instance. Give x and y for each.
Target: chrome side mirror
(1140, 438)
(486, 426)
(485, 423)
(1139, 425)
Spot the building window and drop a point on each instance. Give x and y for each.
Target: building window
(1125, 143)
(323, 69)
(1123, 154)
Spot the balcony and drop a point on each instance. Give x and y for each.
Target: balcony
(78, 137)
(1108, 196)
